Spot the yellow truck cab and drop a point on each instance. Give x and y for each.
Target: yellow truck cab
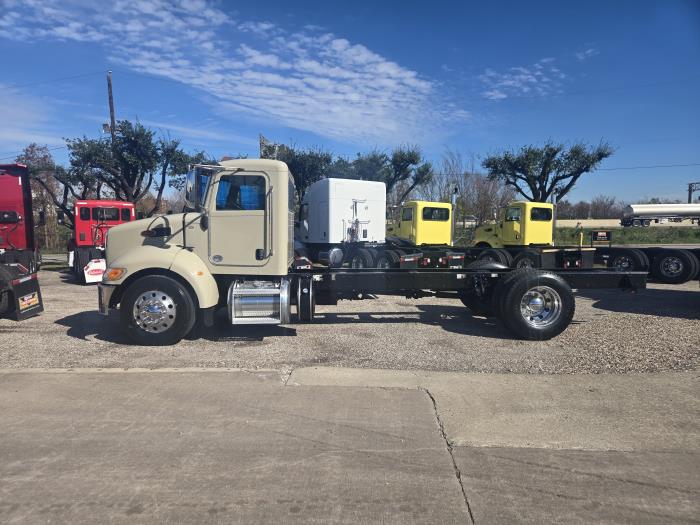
(521, 223)
(423, 222)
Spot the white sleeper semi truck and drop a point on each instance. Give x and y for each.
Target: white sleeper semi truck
(232, 248)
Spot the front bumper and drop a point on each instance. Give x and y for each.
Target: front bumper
(104, 295)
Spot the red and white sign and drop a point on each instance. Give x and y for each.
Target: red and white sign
(94, 270)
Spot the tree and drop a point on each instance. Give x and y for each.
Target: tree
(538, 173)
(41, 166)
(307, 166)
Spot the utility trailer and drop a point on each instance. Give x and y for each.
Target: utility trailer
(20, 296)
(232, 248)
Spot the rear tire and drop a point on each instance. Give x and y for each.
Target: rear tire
(538, 305)
(527, 259)
(361, 258)
(496, 255)
(674, 266)
(628, 260)
(156, 311)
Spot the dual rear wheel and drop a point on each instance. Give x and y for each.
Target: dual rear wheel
(533, 304)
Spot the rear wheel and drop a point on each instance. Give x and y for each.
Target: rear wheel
(527, 259)
(361, 258)
(538, 305)
(628, 260)
(496, 255)
(674, 266)
(157, 310)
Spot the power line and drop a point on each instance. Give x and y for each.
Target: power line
(649, 167)
(17, 154)
(58, 79)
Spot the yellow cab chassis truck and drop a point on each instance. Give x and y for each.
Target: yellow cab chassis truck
(232, 248)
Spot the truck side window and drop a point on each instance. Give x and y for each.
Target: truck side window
(541, 214)
(241, 192)
(126, 214)
(84, 214)
(436, 214)
(513, 214)
(407, 214)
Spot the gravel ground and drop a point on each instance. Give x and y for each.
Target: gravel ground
(613, 332)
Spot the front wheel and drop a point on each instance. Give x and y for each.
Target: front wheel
(157, 310)
(537, 305)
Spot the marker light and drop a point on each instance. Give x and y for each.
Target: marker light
(114, 274)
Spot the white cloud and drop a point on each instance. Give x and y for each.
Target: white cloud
(540, 79)
(309, 79)
(24, 120)
(587, 53)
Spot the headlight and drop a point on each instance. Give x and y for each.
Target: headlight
(113, 274)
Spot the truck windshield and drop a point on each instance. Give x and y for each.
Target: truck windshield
(196, 185)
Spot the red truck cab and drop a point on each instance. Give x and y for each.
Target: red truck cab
(20, 296)
(92, 219)
(16, 219)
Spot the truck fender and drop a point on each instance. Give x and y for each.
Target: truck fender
(191, 268)
(183, 263)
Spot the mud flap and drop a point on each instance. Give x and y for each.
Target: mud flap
(94, 270)
(27, 296)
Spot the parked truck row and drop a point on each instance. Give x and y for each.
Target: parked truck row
(346, 219)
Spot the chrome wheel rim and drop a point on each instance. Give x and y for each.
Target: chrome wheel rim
(357, 262)
(671, 266)
(525, 263)
(540, 306)
(154, 311)
(623, 262)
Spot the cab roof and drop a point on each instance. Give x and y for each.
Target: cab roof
(254, 164)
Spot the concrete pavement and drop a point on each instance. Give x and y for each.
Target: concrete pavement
(226, 447)
(561, 449)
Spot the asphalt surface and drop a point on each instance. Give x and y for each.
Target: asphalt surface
(656, 329)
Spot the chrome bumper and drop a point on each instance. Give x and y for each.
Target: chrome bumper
(104, 294)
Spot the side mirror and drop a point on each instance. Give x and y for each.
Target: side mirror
(42, 218)
(60, 218)
(204, 222)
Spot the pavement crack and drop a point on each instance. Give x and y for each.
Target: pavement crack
(450, 451)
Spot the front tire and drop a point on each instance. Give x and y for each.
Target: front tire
(156, 311)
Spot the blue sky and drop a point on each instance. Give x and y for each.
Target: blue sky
(474, 77)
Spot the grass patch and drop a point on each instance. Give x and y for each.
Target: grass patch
(670, 235)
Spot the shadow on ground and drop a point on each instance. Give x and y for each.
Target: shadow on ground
(106, 328)
(683, 304)
(456, 319)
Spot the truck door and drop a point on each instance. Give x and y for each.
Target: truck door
(407, 228)
(239, 222)
(512, 225)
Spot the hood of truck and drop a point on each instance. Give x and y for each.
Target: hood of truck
(130, 236)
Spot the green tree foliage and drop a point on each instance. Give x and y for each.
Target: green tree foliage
(404, 165)
(538, 172)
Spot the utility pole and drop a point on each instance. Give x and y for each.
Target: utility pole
(112, 122)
